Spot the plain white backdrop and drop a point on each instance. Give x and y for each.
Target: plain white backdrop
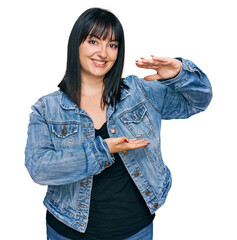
(200, 151)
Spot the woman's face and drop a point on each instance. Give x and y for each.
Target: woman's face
(97, 56)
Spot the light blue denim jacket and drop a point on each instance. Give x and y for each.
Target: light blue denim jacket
(63, 153)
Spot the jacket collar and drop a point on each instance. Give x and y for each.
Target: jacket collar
(125, 93)
(66, 102)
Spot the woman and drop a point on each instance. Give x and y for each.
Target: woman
(90, 141)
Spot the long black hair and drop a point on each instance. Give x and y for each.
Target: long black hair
(98, 22)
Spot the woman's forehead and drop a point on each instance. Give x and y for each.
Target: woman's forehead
(108, 38)
(102, 32)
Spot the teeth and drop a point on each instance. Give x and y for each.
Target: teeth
(97, 62)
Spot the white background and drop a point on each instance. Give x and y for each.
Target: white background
(200, 151)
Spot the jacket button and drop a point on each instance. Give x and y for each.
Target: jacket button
(156, 205)
(107, 164)
(136, 174)
(147, 192)
(113, 130)
(125, 152)
(64, 130)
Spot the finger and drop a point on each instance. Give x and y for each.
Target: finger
(146, 66)
(160, 59)
(132, 140)
(152, 77)
(145, 61)
(149, 64)
(121, 140)
(135, 142)
(141, 63)
(139, 144)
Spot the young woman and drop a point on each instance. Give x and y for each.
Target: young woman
(96, 141)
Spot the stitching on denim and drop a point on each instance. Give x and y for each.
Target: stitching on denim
(131, 109)
(43, 108)
(64, 122)
(96, 158)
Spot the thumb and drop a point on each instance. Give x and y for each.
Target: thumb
(122, 139)
(152, 77)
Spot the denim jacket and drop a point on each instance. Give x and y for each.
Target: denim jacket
(63, 153)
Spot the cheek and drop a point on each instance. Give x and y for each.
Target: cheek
(114, 56)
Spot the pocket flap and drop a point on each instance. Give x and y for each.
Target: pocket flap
(63, 131)
(134, 116)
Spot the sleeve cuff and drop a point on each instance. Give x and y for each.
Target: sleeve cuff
(100, 152)
(179, 80)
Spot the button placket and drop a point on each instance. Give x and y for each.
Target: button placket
(84, 183)
(147, 192)
(156, 205)
(87, 132)
(81, 205)
(82, 224)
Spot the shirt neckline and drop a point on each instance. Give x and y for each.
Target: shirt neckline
(101, 129)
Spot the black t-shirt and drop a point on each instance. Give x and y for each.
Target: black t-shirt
(117, 209)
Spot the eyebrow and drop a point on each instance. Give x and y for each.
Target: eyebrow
(93, 35)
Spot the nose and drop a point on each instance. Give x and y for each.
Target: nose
(102, 51)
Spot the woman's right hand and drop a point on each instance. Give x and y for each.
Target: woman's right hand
(120, 144)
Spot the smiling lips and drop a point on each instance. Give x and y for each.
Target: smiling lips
(99, 63)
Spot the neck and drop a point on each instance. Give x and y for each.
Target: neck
(91, 86)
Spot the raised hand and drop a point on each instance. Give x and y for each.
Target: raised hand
(120, 144)
(164, 66)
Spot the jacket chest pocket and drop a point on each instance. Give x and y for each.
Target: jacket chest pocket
(138, 122)
(65, 136)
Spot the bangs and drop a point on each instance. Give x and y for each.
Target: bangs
(102, 32)
(103, 27)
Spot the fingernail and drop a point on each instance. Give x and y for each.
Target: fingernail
(126, 140)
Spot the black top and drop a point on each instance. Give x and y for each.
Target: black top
(117, 209)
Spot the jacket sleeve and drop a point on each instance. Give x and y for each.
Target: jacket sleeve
(186, 94)
(67, 165)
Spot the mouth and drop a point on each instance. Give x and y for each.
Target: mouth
(99, 63)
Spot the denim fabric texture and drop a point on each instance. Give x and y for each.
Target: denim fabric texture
(63, 153)
(144, 234)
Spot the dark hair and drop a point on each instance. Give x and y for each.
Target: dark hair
(99, 22)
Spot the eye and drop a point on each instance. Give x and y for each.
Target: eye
(92, 41)
(115, 46)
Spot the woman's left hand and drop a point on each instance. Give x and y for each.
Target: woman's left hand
(164, 66)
